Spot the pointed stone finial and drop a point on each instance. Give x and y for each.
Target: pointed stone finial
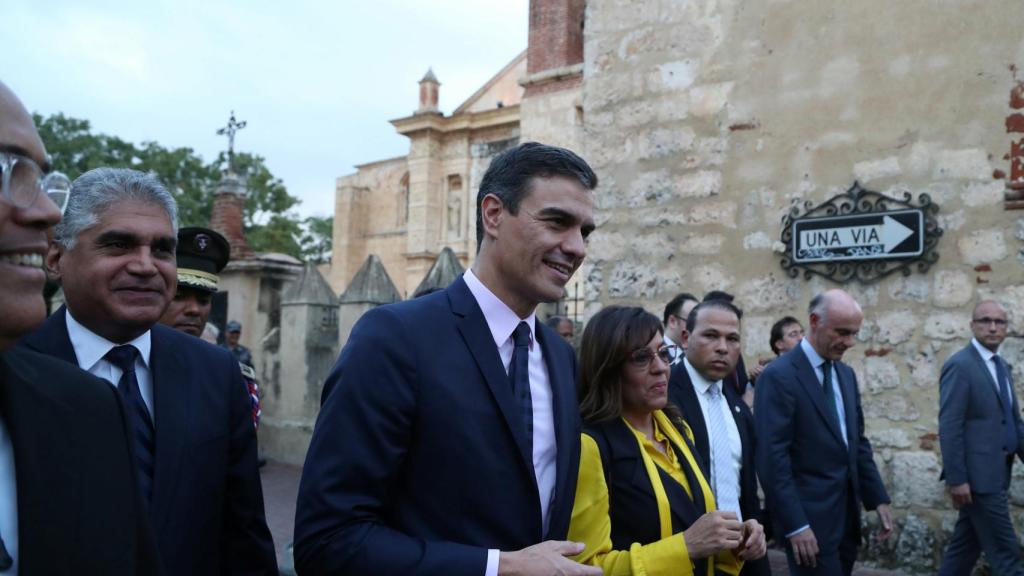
(310, 289)
(371, 285)
(444, 271)
(429, 89)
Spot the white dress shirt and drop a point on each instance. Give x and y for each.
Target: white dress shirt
(8, 499)
(90, 349)
(703, 387)
(502, 321)
(676, 350)
(987, 356)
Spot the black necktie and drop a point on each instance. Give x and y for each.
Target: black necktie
(5, 559)
(519, 373)
(830, 395)
(1010, 428)
(143, 437)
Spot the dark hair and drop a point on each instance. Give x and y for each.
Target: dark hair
(777, 328)
(718, 295)
(675, 305)
(510, 175)
(691, 320)
(611, 336)
(554, 320)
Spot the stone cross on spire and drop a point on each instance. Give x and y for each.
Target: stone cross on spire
(232, 127)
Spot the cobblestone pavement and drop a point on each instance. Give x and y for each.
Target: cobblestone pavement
(281, 485)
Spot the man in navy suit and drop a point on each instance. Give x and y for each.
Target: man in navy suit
(980, 431)
(722, 424)
(815, 464)
(68, 499)
(193, 438)
(448, 438)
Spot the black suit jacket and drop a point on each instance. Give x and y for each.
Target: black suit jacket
(418, 463)
(79, 511)
(207, 509)
(684, 397)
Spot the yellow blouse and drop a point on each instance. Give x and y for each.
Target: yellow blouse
(592, 525)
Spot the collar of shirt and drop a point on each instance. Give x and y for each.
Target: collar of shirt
(986, 354)
(700, 383)
(501, 320)
(90, 347)
(812, 354)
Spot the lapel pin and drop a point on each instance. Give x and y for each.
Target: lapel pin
(737, 409)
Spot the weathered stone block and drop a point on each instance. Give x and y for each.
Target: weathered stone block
(701, 244)
(915, 479)
(650, 187)
(913, 288)
(947, 325)
(710, 277)
(969, 164)
(895, 327)
(880, 374)
(916, 544)
(953, 288)
(701, 184)
(888, 438)
(923, 371)
(757, 241)
(709, 99)
(769, 292)
(663, 142)
(983, 246)
(678, 75)
(890, 407)
(876, 169)
(984, 193)
(755, 342)
(953, 221)
(1012, 298)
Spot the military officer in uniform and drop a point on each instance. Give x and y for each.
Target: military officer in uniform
(234, 332)
(201, 255)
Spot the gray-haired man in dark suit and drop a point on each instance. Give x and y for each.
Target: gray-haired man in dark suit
(980, 430)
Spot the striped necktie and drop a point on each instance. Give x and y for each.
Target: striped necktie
(143, 436)
(723, 470)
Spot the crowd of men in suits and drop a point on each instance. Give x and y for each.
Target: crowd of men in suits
(448, 439)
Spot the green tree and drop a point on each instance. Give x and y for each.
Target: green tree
(270, 224)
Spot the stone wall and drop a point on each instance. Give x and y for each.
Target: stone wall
(707, 120)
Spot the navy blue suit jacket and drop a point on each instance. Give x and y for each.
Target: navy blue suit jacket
(684, 397)
(418, 462)
(207, 509)
(971, 424)
(806, 470)
(79, 510)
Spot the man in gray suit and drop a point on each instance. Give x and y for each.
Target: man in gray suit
(980, 430)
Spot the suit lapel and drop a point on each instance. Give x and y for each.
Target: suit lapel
(982, 366)
(52, 338)
(474, 331)
(809, 380)
(45, 464)
(564, 407)
(171, 404)
(694, 416)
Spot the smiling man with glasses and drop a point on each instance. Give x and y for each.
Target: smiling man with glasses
(980, 431)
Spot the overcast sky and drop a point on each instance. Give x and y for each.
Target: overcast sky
(317, 81)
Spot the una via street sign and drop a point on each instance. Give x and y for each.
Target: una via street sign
(867, 236)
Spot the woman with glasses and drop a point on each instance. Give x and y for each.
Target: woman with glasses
(643, 505)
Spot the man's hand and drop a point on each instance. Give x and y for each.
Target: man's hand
(961, 494)
(548, 557)
(712, 533)
(805, 548)
(754, 371)
(753, 545)
(885, 519)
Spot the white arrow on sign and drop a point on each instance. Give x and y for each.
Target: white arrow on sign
(890, 233)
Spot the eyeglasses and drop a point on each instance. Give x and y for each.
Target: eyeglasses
(23, 180)
(997, 322)
(643, 357)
